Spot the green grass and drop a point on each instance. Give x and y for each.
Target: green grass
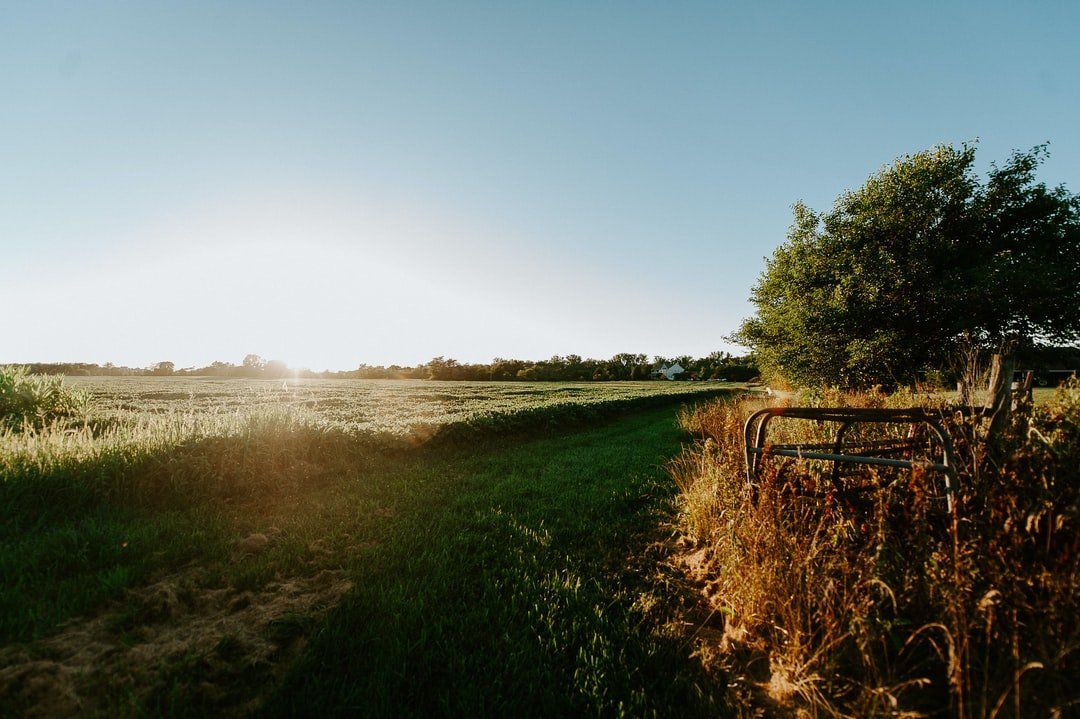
(1043, 395)
(94, 508)
(490, 569)
(505, 587)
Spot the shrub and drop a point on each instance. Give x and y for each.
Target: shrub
(35, 400)
(894, 608)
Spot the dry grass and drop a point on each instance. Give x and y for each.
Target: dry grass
(893, 607)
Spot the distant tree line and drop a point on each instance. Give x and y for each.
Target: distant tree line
(568, 368)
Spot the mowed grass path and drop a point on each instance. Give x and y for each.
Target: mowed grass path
(505, 589)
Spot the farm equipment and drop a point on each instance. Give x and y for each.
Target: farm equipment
(925, 432)
(925, 445)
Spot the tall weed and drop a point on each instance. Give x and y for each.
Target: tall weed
(36, 400)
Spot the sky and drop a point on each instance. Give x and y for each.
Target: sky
(336, 183)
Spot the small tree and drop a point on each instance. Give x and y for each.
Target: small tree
(884, 285)
(253, 362)
(163, 368)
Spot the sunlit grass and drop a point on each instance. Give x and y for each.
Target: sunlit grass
(387, 407)
(487, 563)
(185, 470)
(887, 606)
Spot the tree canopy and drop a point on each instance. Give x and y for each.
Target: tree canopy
(885, 285)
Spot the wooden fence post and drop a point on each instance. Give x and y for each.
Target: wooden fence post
(1001, 373)
(1025, 388)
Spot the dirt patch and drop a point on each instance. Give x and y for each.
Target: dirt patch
(253, 544)
(694, 562)
(172, 644)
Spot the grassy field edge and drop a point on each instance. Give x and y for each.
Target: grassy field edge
(88, 520)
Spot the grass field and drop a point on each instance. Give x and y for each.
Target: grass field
(194, 539)
(194, 547)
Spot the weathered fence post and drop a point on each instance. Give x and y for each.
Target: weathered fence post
(1000, 387)
(1025, 394)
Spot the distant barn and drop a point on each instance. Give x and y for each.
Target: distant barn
(667, 372)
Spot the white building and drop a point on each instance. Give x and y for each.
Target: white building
(668, 372)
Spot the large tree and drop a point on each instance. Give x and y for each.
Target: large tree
(884, 285)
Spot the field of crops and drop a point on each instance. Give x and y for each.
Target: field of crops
(382, 407)
(192, 530)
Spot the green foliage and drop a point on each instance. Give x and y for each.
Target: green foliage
(36, 400)
(884, 286)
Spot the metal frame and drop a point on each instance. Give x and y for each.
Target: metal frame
(867, 453)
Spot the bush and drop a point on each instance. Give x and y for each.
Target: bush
(894, 608)
(35, 400)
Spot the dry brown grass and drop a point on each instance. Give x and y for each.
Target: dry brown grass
(893, 607)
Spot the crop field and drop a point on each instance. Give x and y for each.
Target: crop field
(381, 407)
(193, 547)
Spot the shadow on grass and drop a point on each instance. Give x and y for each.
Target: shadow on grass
(492, 576)
(82, 527)
(509, 592)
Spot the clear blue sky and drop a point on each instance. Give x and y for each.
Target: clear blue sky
(331, 183)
